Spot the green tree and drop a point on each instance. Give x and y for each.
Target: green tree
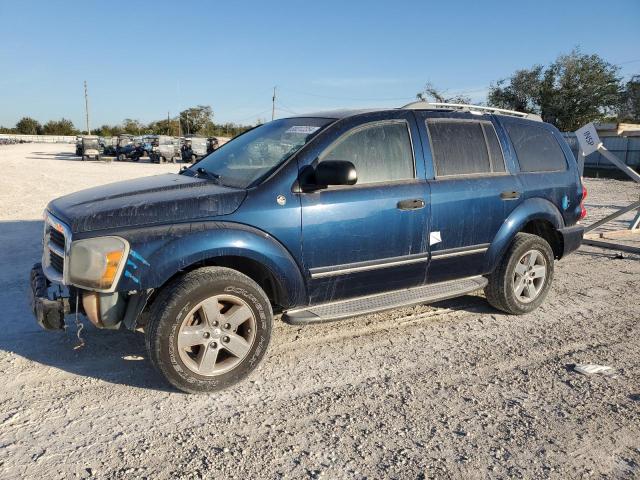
(196, 119)
(107, 130)
(133, 127)
(59, 127)
(29, 126)
(630, 101)
(575, 89)
(433, 94)
(521, 92)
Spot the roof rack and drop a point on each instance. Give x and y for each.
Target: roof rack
(463, 107)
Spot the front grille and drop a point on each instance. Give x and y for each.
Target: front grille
(57, 262)
(57, 237)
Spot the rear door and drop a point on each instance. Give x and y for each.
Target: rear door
(368, 237)
(473, 190)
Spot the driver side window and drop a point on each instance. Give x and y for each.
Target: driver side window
(380, 151)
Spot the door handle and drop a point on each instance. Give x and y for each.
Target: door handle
(510, 195)
(411, 204)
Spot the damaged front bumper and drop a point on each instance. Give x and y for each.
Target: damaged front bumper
(49, 302)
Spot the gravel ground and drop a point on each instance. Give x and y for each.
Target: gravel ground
(452, 390)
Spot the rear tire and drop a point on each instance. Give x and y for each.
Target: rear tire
(523, 277)
(208, 329)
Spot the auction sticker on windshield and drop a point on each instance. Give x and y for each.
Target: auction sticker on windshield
(304, 129)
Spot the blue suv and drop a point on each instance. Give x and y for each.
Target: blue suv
(314, 218)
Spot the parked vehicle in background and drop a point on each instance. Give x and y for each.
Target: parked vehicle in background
(91, 147)
(79, 146)
(110, 146)
(145, 146)
(212, 144)
(193, 149)
(165, 148)
(317, 217)
(125, 148)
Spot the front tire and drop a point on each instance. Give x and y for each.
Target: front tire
(208, 329)
(523, 277)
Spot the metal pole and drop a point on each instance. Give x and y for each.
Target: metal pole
(619, 163)
(86, 106)
(273, 104)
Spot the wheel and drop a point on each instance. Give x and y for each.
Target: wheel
(208, 329)
(85, 158)
(122, 157)
(99, 157)
(522, 280)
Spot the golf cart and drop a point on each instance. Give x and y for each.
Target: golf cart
(125, 147)
(165, 148)
(91, 147)
(194, 148)
(212, 144)
(79, 146)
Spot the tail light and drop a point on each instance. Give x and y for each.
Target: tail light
(583, 211)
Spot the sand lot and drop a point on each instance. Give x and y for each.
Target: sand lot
(452, 390)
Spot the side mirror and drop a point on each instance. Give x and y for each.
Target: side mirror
(335, 172)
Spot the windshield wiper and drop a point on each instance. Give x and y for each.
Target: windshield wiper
(210, 175)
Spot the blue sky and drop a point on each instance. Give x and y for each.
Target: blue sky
(144, 58)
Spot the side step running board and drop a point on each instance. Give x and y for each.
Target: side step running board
(383, 301)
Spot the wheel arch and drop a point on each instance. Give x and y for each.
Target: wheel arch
(535, 215)
(187, 247)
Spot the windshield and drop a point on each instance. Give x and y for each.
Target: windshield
(254, 154)
(90, 142)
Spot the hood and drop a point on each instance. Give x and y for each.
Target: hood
(145, 201)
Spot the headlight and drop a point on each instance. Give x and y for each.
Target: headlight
(96, 263)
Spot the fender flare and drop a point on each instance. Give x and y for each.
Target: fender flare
(531, 209)
(159, 253)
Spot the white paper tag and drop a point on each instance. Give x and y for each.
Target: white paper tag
(304, 129)
(434, 237)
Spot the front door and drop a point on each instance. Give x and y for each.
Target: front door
(372, 236)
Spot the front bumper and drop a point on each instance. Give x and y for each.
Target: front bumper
(48, 302)
(571, 238)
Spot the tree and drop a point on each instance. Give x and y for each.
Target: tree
(108, 130)
(575, 89)
(59, 127)
(521, 93)
(133, 127)
(195, 119)
(430, 92)
(630, 101)
(29, 126)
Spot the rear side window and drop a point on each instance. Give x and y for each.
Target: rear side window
(536, 148)
(380, 151)
(464, 147)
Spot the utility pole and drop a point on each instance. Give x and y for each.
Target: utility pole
(273, 104)
(168, 125)
(86, 106)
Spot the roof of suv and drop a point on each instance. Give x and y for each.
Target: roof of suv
(420, 105)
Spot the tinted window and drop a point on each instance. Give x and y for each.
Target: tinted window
(381, 152)
(462, 147)
(536, 148)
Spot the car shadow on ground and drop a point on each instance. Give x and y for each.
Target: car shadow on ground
(117, 357)
(468, 303)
